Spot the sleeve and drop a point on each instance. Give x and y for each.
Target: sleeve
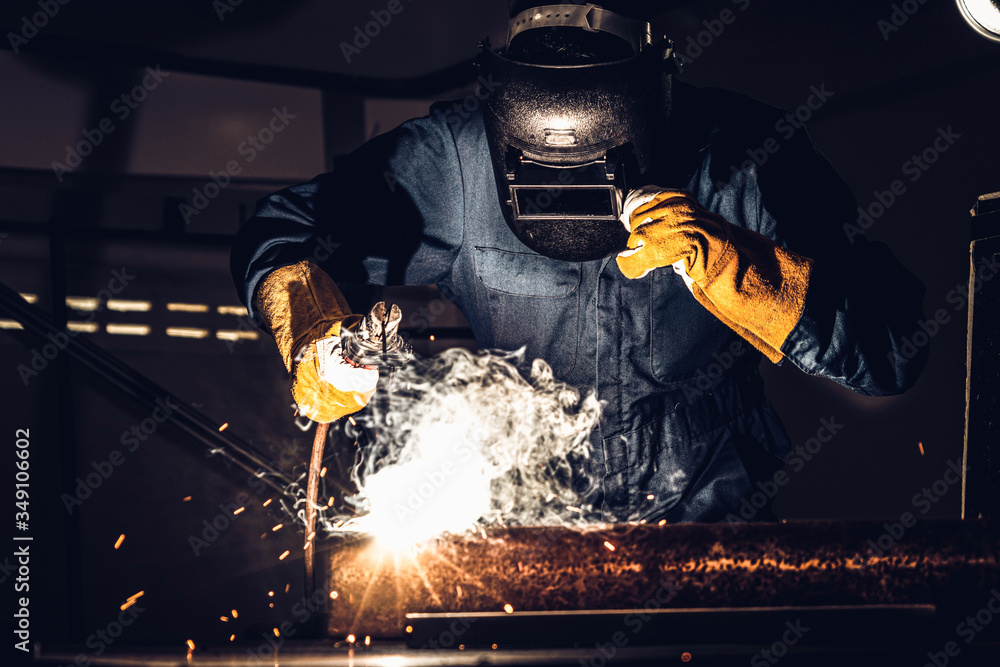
(861, 304)
(390, 213)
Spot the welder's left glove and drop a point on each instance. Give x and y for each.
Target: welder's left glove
(754, 286)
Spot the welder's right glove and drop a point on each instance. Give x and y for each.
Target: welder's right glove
(305, 312)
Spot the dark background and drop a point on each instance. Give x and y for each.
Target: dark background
(892, 92)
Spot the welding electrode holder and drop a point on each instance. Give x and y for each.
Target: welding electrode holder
(376, 340)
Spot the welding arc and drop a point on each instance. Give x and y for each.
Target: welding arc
(312, 494)
(138, 386)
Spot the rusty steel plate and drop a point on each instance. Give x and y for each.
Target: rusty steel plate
(942, 563)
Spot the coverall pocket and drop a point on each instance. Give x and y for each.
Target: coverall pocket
(684, 336)
(534, 302)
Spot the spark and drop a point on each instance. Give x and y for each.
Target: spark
(224, 619)
(571, 508)
(235, 615)
(368, 640)
(409, 629)
(238, 511)
(118, 542)
(190, 644)
(508, 608)
(186, 499)
(224, 427)
(276, 633)
(350, 639)
(432, 336)
(494, 647)
(270, 594)
(287, 586)
(322, 473)
(268, 502)
(330, 504)
(662, 522)
(650, 497)
(353, 423)
(921, 446)
(232, 638)
(277, 528)
(132, 599)
(461, 647)
(334, 595)
(284, 555)
(610, 546)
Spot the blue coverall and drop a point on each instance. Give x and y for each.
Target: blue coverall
(685, 418)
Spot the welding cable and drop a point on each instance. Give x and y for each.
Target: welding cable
(144, 390)
(312, 494)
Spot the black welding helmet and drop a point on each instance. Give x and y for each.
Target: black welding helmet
(569, 141)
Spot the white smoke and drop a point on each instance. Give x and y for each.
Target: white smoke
(464, 440)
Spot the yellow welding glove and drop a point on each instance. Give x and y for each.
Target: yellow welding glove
(754, 286)
(305, 312)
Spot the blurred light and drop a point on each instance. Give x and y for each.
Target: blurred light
(125, 306)
(10, 324)
(186, 332)
(187, 307)
(128, 329)
(118, 542)
(232, 334)
(86, 327)
(30, 298)
(82, 302)
(983, 16)
(239, 311)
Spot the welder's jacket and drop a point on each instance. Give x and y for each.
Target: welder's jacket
(685, 417)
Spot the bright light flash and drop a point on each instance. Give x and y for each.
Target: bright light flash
(444, 487)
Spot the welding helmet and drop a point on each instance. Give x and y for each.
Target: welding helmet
(569, 141)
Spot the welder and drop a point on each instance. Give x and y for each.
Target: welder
(603, 215)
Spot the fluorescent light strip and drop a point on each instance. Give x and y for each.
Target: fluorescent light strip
(86, 327)
(82, 302)
(230, 334)
(186, 332)
(187, 307)
(128, 329)
(123, 306)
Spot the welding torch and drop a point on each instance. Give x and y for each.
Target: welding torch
(374, 343)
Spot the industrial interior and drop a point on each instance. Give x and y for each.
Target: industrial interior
(176, 504)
